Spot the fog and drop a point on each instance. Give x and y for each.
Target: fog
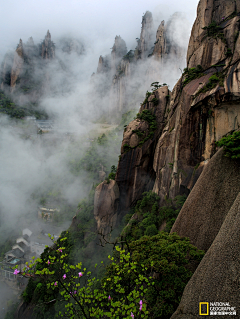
(98, 21)
(32, 165)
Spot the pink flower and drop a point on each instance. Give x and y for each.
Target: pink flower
(80, 274)
(16, 272)
(140, 302)
(109, 297)
(132, 315)
(75, 291)
(64, 276)
(55, 284)
(48, 262)
(60, 250)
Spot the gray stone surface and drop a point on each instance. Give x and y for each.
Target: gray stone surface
(217, 277)
(208, 203)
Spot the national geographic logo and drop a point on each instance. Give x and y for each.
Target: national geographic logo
(203, 308)
(216, 309)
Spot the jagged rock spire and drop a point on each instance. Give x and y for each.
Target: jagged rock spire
(146, 37)
(48, 47)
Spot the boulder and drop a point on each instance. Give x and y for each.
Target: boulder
(217, 276)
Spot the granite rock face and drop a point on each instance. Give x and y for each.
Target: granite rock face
(145, 42)
(106, 206)
(135, 172)
(47, 47)
(217, 276)
(17, 64)
(196, 120)
(208, 203)
(160, 47)
(119, 49)
(18, 72)
(208, 51)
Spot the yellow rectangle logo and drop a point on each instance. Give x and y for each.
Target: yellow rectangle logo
(200, 308)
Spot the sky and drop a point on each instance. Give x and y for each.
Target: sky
(94, 20)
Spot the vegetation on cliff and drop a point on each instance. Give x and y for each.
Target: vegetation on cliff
(8, 107)
(150, 118)
(231, 145)
(147, 217)
(144, 280)
(192, 74)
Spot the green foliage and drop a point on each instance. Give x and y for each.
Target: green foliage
(146, 97)
(154, 87)
(84, 296)
(138, 132)
(113, 172)
(192, 74)
(214, 80)
(126, 148)
(146, 281)
(129, 56)
(214, 31)
(8, 107)
(147, 116)
(231, 145)
(149, 217)
(163, 259)
(151, 230)
(155, 101)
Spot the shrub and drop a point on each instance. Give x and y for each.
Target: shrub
(113, 173)
(212, 29)
(192, 74)
(151, 230)
(154, 101)
(214, 80)
(231, 145)
(164, 257)
(149, 213)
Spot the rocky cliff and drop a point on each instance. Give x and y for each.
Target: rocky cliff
(203, 107)
(21, 67)
(26, 70)
(47, 47)
(17, 64)
(145, 43)
(126, 72)
(210, 217)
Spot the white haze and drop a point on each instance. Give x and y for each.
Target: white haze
(22, 168)
(27, 165)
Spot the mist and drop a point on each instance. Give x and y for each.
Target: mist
(35, 167)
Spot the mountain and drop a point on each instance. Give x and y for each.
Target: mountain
(125, 73)
(169, 149)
